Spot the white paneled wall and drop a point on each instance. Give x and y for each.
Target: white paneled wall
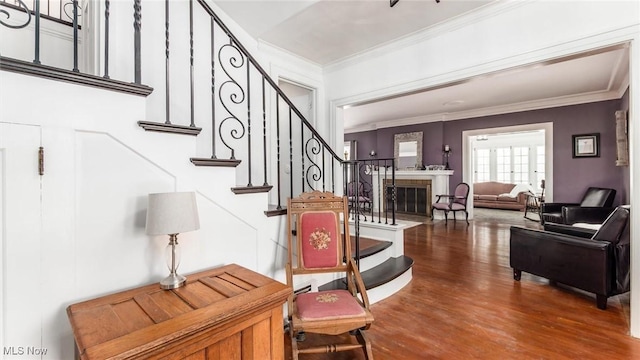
(77, 232)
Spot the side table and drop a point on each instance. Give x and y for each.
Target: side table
(220, 313)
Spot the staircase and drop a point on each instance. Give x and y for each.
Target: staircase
(214, 117)
(383, 274)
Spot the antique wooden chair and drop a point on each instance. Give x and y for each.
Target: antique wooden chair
(455, 202)
(322, 244)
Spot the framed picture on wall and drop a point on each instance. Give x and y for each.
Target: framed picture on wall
(586, 145)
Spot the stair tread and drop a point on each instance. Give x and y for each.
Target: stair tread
(169, 128)
(274, 211)
(371, 250)
(251, 189)
(214, 162)
(379, 275)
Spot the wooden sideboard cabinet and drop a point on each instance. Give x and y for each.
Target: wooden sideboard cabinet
(223, 313)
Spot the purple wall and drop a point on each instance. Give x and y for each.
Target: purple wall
(571, 176)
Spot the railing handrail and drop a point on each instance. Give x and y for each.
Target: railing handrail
(237, 43)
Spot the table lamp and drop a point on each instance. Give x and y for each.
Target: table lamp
(171, 214)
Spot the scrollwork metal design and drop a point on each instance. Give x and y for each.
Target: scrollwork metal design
(66, 12)
(313, 173)
(236, 93)
(8, 15)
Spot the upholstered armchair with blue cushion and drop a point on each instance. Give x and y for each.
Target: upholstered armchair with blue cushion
(599, 264)
(595, 206)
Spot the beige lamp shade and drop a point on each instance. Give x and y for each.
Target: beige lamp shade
(172, 213)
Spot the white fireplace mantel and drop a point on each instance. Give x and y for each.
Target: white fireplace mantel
(439, 181)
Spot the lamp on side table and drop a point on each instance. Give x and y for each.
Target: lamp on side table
(171, 214)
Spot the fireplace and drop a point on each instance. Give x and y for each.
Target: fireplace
(425, 184)
(412, 196)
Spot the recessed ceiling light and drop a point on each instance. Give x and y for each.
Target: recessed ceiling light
(453, 103)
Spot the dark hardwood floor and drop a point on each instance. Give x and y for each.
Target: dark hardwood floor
(464, 304)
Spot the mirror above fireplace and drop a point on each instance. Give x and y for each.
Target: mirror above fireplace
(408, 150)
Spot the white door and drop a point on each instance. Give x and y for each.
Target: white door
(295, 152)
(20, 235)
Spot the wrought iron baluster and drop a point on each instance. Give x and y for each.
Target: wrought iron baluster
(379, 192)
(356, 207)
(107, 4)
(191, 97)
(20, 26)
(278, 149)
(166, 64)
(323, 165)
(264, 132)
(213, 91)
(290, 154)
(237, 94)
(312, 148)
(302, 153)
(333, 173)
(249, 157)
(75, 36)
(393, 184)
(36, 59)
(344, 179)
(137, 41)
(387, 197)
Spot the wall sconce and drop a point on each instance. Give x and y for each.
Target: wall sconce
(372, 153)
(171, 214)
(446, 152)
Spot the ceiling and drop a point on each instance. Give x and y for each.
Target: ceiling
(328, 31)
(325, 31)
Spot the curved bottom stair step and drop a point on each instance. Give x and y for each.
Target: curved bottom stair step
(379, 275)
(371, 247)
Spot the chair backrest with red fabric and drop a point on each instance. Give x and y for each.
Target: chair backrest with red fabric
(316, 231)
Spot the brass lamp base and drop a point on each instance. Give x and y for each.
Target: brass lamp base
(172, 281)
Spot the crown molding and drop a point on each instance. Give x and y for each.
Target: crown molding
(458, 22)
(495, 110)
(278, 52)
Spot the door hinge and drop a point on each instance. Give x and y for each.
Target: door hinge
(41, 160)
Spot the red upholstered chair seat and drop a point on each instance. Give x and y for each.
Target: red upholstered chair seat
(328, 305)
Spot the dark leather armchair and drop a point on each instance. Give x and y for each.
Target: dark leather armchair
(594, 208)
(599, 264)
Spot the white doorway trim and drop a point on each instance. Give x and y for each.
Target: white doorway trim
(467, 154)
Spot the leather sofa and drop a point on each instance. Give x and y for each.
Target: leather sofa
(599, 264)
(497, 195)
(595, 206)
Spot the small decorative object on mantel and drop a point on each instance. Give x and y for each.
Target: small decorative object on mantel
(586, 145)
(622, 142)
(446, 152)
